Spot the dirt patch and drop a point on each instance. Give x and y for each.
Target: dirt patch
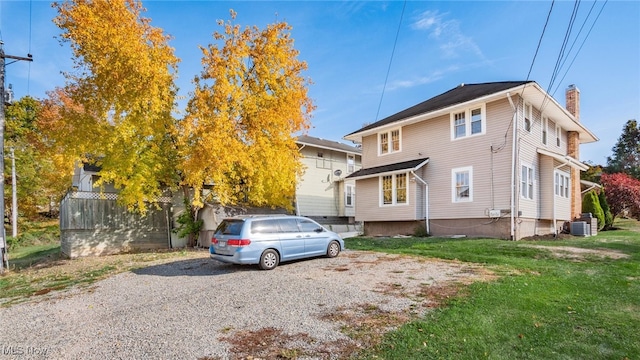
(575, 253)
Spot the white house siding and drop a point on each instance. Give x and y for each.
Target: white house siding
(320, 192)
(529, 141)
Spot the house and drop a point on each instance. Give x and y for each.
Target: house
(324, 192)
(496, 159)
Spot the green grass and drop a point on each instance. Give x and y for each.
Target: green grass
(542, 306)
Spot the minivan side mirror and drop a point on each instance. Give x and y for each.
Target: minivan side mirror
(319, 230)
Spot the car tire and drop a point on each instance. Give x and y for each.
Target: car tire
(269, 259)
(333, 249)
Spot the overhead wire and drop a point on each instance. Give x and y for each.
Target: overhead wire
(583, 42)
(404, 5)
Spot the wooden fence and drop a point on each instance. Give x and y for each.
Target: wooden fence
(94, 224)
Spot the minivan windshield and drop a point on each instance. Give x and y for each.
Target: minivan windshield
(230, 227)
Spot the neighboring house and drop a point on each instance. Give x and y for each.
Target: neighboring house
(493, 159)
(323, 192)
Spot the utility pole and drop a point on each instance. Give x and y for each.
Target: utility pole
(4, 261)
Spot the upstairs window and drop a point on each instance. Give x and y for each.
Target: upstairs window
(545, 129)
(389, 142)
(528, 117)
(351, 163)
(558, 135)
(468, 122)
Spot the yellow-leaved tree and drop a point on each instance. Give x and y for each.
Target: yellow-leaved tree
(123, 91)
(239, 130)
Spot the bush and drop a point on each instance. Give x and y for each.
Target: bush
(608, 217)
(420, 231)
(591, 204)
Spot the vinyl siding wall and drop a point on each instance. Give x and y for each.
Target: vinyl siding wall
(320, 192)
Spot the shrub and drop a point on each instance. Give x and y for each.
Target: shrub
(608, 217)
(591, 204)
(420, 231)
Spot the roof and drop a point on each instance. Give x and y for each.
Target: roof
(467, 93)
(404, 166)
(460, 94)
(327, 144)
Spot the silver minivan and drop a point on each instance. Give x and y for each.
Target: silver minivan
(267, 240)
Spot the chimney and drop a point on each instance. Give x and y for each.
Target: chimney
(572, 97)
(573, 149)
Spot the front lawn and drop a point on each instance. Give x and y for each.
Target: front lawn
(566, 299)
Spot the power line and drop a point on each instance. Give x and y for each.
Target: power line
(404, 5)
(540, 40)
(583, 42)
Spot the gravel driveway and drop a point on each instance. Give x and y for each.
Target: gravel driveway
(203, 309)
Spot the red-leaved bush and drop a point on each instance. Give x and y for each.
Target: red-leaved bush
(622, 192)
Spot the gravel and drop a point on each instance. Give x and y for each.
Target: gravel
(185, 309)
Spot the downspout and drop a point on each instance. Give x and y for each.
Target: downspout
(513, 168)
(426, 199)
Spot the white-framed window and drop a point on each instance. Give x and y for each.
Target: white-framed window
(351, 163)
(389, 142)
(468, 122)
(462, 184)
(545, 129)
(349, 195)
(562, 184)
(558, 135)
(528, 116)
(393, 189)
(526, 182)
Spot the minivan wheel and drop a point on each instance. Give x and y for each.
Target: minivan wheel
(269, 259)
(333, 249)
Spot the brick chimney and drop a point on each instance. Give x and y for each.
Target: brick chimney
(572, 97)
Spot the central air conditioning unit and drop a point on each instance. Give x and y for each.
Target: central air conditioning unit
(580, 228)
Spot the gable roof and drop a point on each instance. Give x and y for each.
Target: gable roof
(466, 93)
(404, 166)
(327, 144)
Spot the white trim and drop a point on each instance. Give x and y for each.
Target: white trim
(394, 190)
(389, 134)
(574, 163)
(454, 197)
(468, 121)
(346, 195)
(545, 130)
(530, 182)
(561, 184)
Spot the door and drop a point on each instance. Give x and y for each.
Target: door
(291, 240)
(315, 237)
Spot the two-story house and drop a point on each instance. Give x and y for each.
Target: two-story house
(493, 159)
(324, 192)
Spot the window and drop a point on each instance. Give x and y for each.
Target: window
(289, 225)
(528, 117)
(389, 142)
(351, 163)
(394, 189)
(558, 135)
(321, 162)
(526, 182)
(545, 129)
(462, 184)
(562, 184)
(349, 195)
(306, 225)
(468, 122)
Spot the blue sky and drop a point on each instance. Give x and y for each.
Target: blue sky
(348, 47)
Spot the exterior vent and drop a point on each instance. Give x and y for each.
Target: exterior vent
(580, 228)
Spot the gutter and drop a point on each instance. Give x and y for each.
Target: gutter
(426, 199)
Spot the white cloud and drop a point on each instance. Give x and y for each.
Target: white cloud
(447, 34)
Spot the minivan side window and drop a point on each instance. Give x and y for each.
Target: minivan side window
(308, 225)
(288, 225)
(264, 227)
(230, 227)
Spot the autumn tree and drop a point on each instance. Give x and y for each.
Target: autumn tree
(622, 192)
(240, 125)
(626, 152)
(122, 93)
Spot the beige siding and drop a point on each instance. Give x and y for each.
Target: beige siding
(370, 208)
